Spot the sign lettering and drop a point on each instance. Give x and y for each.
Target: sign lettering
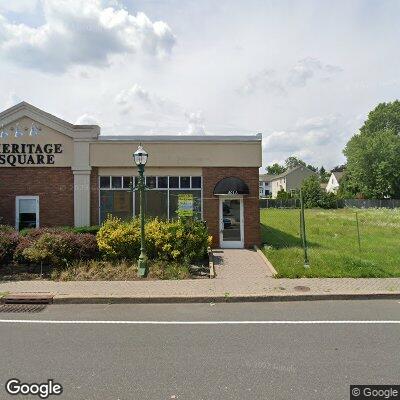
(13, 154)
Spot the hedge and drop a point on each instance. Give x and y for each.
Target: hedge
(176, 240)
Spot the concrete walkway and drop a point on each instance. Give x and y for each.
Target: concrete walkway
(241, 275)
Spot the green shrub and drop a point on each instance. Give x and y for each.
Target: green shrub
(57, 248)
(6, 228)
(87, 229)
(119, 239)
(179, 240)
(8, 243)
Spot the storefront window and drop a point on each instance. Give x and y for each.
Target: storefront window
(163, 182)
(196, 182)
(174, 182)
(156, 203)
(173, 202)
(119, 198)
(185, 182)
(117, 203)
(104, 182)
(116, 182)
(151, 182)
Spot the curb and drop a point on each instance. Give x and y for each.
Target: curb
(225, 299)
(266, 261)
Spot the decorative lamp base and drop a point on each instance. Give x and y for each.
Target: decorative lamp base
(142, 268)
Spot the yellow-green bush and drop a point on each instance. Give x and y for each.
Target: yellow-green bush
(180, 240)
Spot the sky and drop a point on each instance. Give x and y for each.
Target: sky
(303, 73)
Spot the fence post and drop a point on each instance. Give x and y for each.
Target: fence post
(358, 233)
(303, 230)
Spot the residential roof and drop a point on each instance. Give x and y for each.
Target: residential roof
(289, 171)
(338, 175)
(266, 177)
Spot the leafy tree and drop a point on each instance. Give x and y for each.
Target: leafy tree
(275, 169)
(315, 196)
(339, 168)
(315, 169)
(283, 195)
(293, 162)
(373, 155)
(323, 175)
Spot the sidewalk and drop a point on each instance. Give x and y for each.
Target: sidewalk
(242, 275)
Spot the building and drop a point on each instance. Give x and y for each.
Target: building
(290, 180)
(53, 173)
(334, 182)
(264, 184)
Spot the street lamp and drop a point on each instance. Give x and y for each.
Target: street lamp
(140, 157)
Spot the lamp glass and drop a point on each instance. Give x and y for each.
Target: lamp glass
(140, 156)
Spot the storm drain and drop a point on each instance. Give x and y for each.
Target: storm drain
(28, 298)
(22, 308)
(302, 288)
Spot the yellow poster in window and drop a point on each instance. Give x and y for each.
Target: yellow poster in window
(185, 205)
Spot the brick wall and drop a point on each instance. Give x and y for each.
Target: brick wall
(249, 175)
(54, 186)
(94, 196)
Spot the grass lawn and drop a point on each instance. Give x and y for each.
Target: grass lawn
(333, 244)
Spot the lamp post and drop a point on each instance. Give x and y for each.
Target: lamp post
(140, 157)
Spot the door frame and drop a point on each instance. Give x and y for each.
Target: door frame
(232, 244)
(17, 199)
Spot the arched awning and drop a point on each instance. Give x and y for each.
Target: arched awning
(231, 186)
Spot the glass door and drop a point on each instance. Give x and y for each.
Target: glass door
(231, 222)
(26, 212)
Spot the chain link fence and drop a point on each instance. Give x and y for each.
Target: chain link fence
(343, 242)
(340, 203)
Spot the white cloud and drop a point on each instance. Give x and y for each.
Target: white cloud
(138, 98)
(273, 82)
(195, 123)
(82, 32)
(87, 119)
(308, 68)
(266, 80)
(317, 140)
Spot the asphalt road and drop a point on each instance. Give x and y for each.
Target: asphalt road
(204, 361)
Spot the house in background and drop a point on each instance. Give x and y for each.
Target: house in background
(265, 184)
(290, 180)
(334, 182)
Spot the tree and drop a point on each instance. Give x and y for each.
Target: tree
(323, 175)
(315, 196)
(275, 169)
(293, 162)
(373, 155)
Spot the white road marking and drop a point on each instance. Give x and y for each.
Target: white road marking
(271, 322)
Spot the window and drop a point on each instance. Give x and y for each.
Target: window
(119, 198)
(27, 212)
(151, 182)
(163, 182)
(104, 182)
(117, 203)
(185, 182)
(116, 182)
(156, 203)
(174, 182)
(127, 182)
(173, 202)
(196, 182)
